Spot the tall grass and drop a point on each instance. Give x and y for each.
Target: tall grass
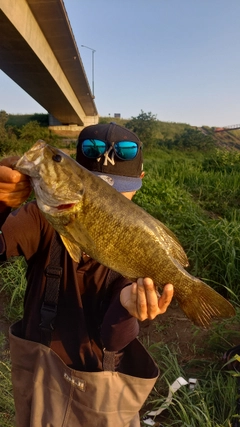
(6, 397)
(211, 404)
(13, 285)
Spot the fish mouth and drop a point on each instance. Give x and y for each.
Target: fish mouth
(55, 208)
(65, 206)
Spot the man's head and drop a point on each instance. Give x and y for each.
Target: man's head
(114, 153)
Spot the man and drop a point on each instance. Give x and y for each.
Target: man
(96, 312)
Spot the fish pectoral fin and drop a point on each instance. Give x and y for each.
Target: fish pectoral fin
(72, 248)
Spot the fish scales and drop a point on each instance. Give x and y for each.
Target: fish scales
(92, 217)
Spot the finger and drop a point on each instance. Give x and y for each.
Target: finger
(134, 293)
(141, 300)
(9, 187)
(152, 298)
(166, 297)
(13, 195)
(9, 161)
(9, 175)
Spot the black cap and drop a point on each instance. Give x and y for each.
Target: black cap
(123, 175)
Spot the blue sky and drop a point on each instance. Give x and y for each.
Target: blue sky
(178, 59)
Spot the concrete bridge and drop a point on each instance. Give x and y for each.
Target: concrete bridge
(38, 51)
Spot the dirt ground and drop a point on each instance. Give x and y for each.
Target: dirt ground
(177, 331)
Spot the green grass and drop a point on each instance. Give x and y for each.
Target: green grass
(6, 396)
(213, 401)
(13, 285)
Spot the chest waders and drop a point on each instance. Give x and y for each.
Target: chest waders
(47, 393)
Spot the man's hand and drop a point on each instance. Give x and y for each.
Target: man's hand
(143, 302)
(14, 186)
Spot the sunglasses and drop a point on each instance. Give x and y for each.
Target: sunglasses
(94, 148)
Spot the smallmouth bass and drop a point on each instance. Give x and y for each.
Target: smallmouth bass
(92, 217)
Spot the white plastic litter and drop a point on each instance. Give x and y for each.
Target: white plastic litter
(192, 383)
(149, 422)
(179, 382)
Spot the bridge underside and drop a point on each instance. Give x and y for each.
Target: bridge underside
(42, 58)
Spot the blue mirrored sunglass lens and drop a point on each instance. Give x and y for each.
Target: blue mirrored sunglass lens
(93, 148)
(126, 150)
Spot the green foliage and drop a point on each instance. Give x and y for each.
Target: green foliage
(214, 253)
(19, 120)
(169, 131)
(211, 404)
(215, 189)
(163, 193)
(6, 396)
(109, 119)
(13, 284)
(32, 131)
(191, 139)
(7, 136)
(6, 401)
(16, 140)
(223, 161)
(145, 126)
(3, 119)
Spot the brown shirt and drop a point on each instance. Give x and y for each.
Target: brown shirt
(81, 332)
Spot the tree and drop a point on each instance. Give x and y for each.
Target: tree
(3, 118)
(32, 131)
(7, 136)
(145, 126)
(3, 121)
(192, 139)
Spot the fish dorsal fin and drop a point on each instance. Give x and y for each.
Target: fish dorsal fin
(173, 245)
(72, 248)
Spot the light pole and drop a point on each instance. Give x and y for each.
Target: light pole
(93, 51)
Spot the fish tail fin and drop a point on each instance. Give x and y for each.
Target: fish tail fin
(205, 304)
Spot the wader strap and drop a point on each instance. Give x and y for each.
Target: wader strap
(53, 278)
(109, 357)
(111, 277)
(108, 360)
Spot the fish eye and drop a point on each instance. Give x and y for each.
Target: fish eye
(57, 158)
